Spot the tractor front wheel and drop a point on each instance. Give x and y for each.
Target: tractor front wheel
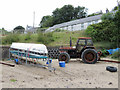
(89, 56)
(64, 57)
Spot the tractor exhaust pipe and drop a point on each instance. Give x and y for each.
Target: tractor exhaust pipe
(70, 42)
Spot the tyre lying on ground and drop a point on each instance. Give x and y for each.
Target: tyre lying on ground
(111, 69)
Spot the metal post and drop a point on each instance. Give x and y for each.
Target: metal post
(49, 64)
(26, 56)
(9, 53)
(18, 55)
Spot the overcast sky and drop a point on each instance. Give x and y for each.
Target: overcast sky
(20, 12)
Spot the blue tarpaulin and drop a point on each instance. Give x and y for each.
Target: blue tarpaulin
(112, 51)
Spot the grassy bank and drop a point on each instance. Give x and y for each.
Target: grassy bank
(52, 39)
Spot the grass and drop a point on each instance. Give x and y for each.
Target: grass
(116, 55)
(104, 44)
(63, 38)
(53, 39)
(13, 80)
(57, 38)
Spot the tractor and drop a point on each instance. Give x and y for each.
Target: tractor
(83, 49)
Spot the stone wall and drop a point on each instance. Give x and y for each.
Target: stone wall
(4, 52)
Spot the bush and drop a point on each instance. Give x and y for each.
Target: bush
(10, 38)
(105, 44)
(45, 38)
(40, 30)
(107, 30)
(59, 30)
(104, 52)
(27, 37)
(104, 31)
(107, 16)
(116, 55)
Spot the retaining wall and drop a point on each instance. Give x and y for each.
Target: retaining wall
(4, 52)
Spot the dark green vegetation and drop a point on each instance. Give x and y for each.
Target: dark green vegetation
(107, 31)
(19, 29)
(106, 34)
(64, 14)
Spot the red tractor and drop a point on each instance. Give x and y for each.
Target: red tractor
(84, 49)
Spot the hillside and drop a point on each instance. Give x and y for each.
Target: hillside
(63, 38)
(51, 39)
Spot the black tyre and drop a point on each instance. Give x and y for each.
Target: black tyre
(111, 69)
(89, 56)
(64, 57)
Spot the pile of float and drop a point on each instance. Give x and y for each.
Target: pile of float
(31, 54)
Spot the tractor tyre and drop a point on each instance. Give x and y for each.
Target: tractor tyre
(64, 57)
(89, 56)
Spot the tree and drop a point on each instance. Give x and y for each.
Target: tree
(64, 14)
(68, 13)
(19, 29)
(115, 8)
(3, 29)
(107, 30)
(107, 16)
(46, 21)
(117, 23)
(80, 12)
(117, 18)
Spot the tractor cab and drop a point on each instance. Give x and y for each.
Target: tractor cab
(83, 42)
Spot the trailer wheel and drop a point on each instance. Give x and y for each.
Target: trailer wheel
(64, 57)
(89, 56)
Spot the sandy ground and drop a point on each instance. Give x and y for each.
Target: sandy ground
(76, 74)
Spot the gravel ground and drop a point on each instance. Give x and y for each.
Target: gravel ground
(76, 74)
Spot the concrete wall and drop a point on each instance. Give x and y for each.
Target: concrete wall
(4, 52)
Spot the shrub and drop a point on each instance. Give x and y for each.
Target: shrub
(116, 55)
(28, 36)
(10, 38)
(45, 38)
(104, 52)
(104, 31)
(107, 30)
(59, 30)
(39, 30)
(107, 16)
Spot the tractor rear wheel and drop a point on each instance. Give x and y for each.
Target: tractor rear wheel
(64, 57)
(89, 56)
